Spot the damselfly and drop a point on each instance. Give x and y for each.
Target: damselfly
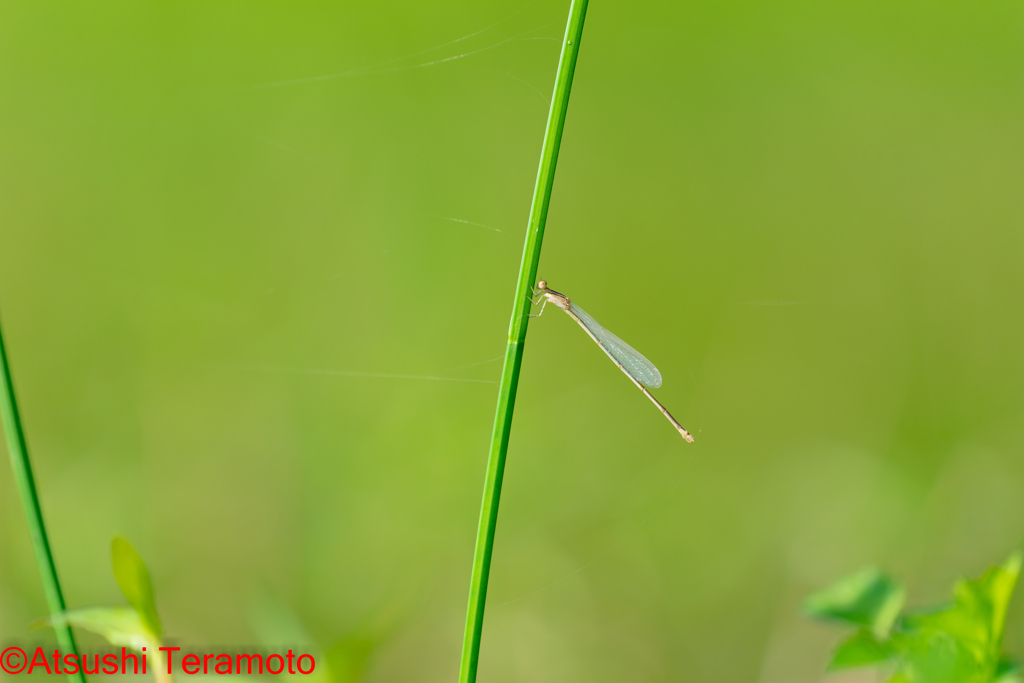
(640, 370)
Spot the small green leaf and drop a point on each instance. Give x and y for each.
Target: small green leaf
(868, 598)
(119, 625)
(990, 596)
(133, 578)
(860, 649)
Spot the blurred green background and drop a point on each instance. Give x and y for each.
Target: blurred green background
(808, 215)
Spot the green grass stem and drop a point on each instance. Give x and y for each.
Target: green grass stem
(17, 447)
(517, 339)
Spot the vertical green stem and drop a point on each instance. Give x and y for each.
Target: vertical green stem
(18, 449)
(517, 339)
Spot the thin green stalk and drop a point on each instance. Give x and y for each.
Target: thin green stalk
(517, 339)
(22, 466)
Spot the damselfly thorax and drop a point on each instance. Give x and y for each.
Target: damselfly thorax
(550, 295)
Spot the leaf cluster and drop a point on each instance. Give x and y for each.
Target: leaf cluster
(133, 627)
(138, 627)
(958, 642)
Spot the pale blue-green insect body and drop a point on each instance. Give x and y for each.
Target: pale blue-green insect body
(640, 370)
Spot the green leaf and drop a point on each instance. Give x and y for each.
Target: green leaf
(860, 649)
(121, 626)
(868, 598)
(960, 643)
(133, 578)
(932, 655)
(990, 597)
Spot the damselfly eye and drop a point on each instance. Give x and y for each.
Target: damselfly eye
(542, 284)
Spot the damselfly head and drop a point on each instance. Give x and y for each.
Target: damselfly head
(542, 285)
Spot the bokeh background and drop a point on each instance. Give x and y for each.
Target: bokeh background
(238, 239)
